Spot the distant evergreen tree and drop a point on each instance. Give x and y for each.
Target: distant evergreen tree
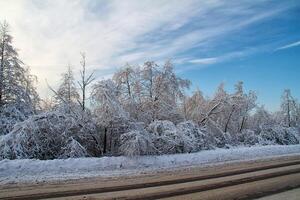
(67, 95)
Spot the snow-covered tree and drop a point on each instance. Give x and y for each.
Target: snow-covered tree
(73, 149)
(248, 137)
(164, 137)
(148, 74)
(235, 104)
(137, 142)
(51, 135)
(168, 139)
(236, 108)
(196, 137)
(48, 103)
(163, 89)
(16, 85)
(127, 81)
(150, 92)
(107, 107)
(290, 109)
(168, 91)
(260, 118)
(277, 134)
(218, 107)
(216, 137)
(67, 95)
(34, 98)
(195, 107)
(248, 104)
(85, 81)
(109, 113)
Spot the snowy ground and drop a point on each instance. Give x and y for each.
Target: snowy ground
(17, 171)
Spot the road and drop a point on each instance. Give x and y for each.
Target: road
(237, 180)
(290, 195)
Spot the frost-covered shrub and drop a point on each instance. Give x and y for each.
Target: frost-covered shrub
(71, 108)
(108, 108)
(277, 134)
(248, 138)
(5, 147)
(136, 142)
(48, 136)
(217, 137)
(28, 141)
(168, 139)
(160, 127)
(73, 149)
(87, 133)
(197, 139)
(163, 133)
(9, 116)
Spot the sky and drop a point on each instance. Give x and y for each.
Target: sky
(209, 41)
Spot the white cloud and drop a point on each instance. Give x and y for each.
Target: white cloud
(294, 44)
(51, 33)
(205, 61)
(226, 57)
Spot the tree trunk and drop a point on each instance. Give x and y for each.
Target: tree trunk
(2, 73)
(228, 120)
(104, 140)
(242, 124)
(128, 87)
(210, 112)
(288, 113)
(83, 98)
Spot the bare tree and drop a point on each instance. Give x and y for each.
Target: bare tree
(85, 81)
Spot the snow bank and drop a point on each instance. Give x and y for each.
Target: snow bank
(26, 170)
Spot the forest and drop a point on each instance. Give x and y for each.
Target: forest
(142, 110)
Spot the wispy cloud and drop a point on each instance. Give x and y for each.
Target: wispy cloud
(205, 61)
(294, 44)
(51, 33)
(226, 57)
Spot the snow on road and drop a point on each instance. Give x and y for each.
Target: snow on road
(31, 170)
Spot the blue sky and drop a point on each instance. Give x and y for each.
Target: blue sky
(209, 41)
(269, 61)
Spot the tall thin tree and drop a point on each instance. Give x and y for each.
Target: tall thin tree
(4, 40)
(85, 81)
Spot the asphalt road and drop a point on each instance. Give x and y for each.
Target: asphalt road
(239, 180)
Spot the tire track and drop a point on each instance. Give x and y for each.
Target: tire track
(172, 182)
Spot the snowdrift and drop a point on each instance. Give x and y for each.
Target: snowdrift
(31, 170)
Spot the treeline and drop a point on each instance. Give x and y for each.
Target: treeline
(142, 110)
